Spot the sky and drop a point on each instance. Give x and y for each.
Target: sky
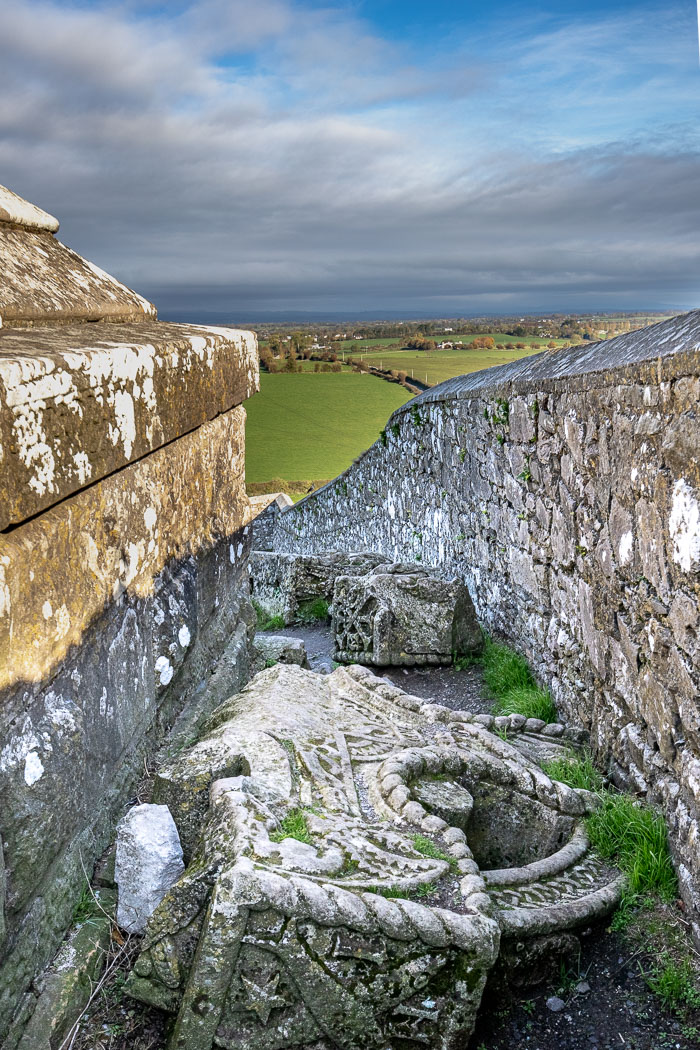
(233, 159)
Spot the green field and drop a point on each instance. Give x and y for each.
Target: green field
(312, 426)
(438, 365)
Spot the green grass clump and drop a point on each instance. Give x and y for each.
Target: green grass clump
(675, 983)
(528, 701)
(510, 681)
(266, 622)
(504, 669)
(293, 826)
(635, 837)
(577, 771)
(317, 609)
(428, 848)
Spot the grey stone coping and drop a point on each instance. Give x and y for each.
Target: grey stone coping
(79, 402)
(19, 212)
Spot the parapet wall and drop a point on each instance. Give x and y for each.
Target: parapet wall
(123, 587)
(565, 490)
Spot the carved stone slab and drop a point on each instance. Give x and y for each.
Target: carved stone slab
(326, 903)
(400, 614)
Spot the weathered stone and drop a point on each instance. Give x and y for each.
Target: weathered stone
(65, 989)
(447, 800)
(399, 614)
(265, 510)
(148, 861)
(282, 585)
(80, 402)
(278, 648)
(44, 282)
(123, 578)
(276, 935)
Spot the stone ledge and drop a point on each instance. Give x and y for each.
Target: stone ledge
(79, 402)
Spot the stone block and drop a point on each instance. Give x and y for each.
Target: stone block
(148, 861)
(402, 615)
(279, 648)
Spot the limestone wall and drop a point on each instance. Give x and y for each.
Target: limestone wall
(123, 587)
(565, 490)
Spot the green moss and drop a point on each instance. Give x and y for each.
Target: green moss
(315, 609)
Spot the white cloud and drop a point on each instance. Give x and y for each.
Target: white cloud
(238, 157)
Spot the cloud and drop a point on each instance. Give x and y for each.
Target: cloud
(231, 159)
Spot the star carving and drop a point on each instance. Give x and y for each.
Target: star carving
(262, 998)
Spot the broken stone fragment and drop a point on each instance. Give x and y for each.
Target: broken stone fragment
(148, 862)
(401, 615)
(280, 649)
(284, 584)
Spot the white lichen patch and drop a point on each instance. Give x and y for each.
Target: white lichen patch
(83, 466)
(625, 546)
(33, 768)
(164, 669)
(183, 636)
(47, 610)
(150, 518)
(684, 526)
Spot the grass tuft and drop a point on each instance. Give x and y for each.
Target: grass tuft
(635, 837)
(674, 981)
(528, 701)
(577, 771)
(265, 621)
(510, 682)
(428, 848)
(293, 826)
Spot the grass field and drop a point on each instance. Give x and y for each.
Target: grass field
(312, 426)
(439, 365)
(307, 425)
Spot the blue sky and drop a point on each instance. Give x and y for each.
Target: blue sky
(236, 159)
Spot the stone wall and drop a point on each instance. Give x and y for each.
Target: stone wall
(565, 490)
(124, 538)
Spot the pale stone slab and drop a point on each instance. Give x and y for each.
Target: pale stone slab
(148, 861)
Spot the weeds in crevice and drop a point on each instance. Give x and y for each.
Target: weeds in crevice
(265, 622)
(427, 847)
(578, 771)
(635, 837)
(293, 826)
